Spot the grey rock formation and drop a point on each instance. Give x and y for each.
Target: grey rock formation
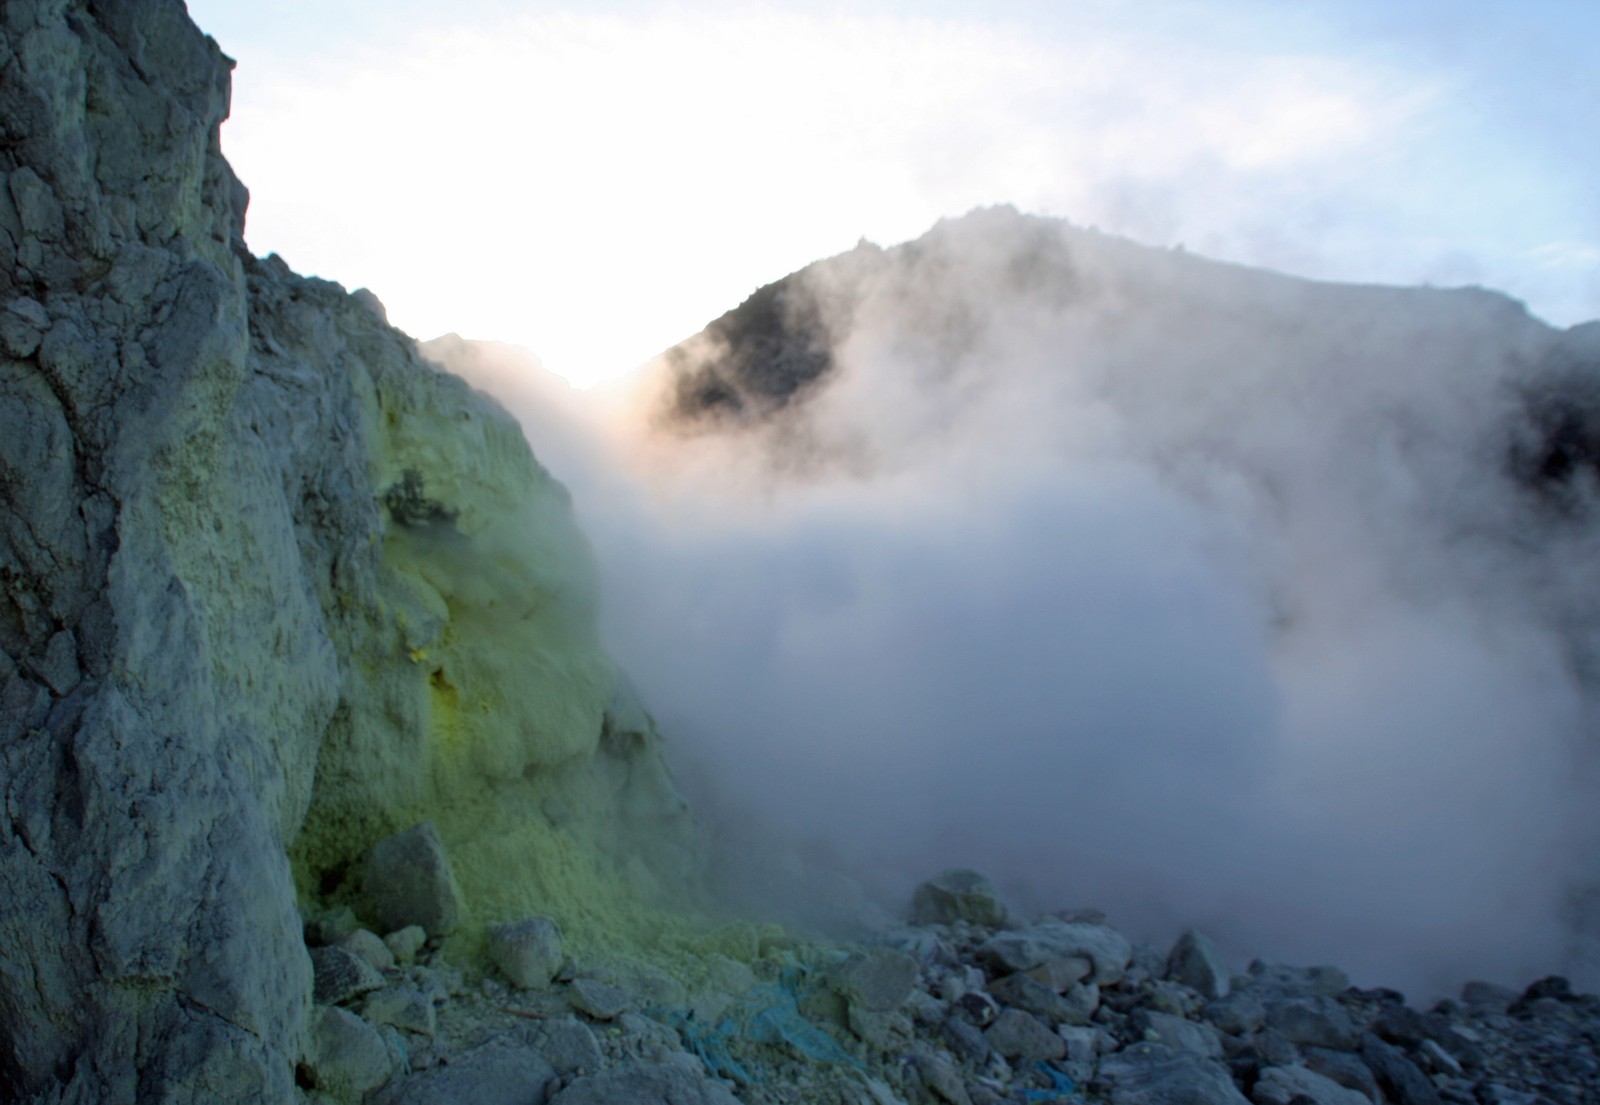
(252, 555)
(1195, 962)
(409, 881)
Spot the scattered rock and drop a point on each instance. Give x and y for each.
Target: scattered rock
(369, 946)
(404, 944)
(401, 1007)
(1180, 1034)
(1025, 949)
(957, 896)
(500, 1072)
(1398, 1077)
(1240, 1013)
(644, 1084)
(1022, 1037)
(409, 881)
(942, 1077)
(1152, 1074)
(569, 1045)
(339, 975)
(597, 999)
(528, 952)
(1312, 1020)
(346, 1058)
(1283, 1085)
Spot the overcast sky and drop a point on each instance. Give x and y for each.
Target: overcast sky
(597, 181)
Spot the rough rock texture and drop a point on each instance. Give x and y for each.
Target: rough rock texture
(265, 578)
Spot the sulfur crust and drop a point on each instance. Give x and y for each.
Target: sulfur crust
(478, 696)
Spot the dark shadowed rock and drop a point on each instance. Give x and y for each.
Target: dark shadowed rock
(409, 880)
(340, 974)
(1398, 1077)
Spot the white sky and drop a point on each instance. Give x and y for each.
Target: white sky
(597, 181)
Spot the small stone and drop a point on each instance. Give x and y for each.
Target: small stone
(528, 952)
(1283, 1085)
(1023, 992)
(1083, 1044)
(1238, 1014)
(1058, 974)
(569, 1045)
(369, 946)
(338, 975)
(942, 1078)
(347, 1057)
(600, 1000)
(409, 880)
(1344, 1068)
(1180, 1034)
(976, 1008)
(404, 944)
(956, 896)
(1025, 949)
(402, 1007)
(1023, 1037)
(1195, 962)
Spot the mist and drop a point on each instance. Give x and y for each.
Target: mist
(1197, 594)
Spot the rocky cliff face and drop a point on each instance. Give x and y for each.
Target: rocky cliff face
(274, 588)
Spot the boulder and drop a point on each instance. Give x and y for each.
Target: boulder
(409, 881)
(528, 952)
(1152, 1074)
(346, 1057)
(1023, 1038)
(1283, 1085)
(500, 1072)
(597, 999)
(1312, 1020)
(1026, 949)
(1195, 962)
(340, 975)
(957, 896)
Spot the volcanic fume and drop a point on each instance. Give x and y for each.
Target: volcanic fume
(1204, 595)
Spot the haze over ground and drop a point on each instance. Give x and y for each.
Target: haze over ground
(595, 186)
(594, 182)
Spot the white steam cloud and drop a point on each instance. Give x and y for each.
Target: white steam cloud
(1196, 594)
